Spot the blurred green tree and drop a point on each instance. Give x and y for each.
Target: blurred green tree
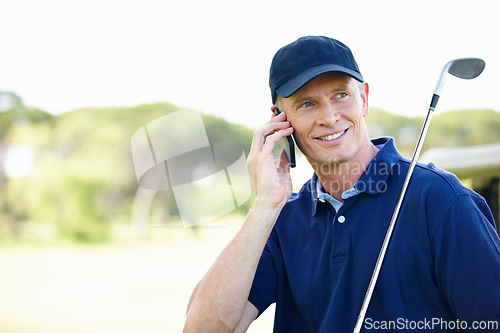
(83, 182)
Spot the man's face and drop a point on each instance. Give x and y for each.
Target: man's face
(327, 117)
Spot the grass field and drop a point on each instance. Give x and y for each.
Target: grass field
(122, 288)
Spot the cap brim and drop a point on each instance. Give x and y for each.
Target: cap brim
(290, 87)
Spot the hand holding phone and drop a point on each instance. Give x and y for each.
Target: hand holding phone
(288, 145)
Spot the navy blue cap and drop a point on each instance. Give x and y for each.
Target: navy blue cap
(297, 63)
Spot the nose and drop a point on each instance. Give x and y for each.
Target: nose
(327, 115)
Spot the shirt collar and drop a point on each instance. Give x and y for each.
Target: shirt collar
(374, 178)
(325, 196)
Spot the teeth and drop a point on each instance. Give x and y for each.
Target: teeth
(331, 137)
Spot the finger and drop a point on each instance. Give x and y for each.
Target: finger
(267, 130)
(279, 117)
(271, 140)
(267, 146)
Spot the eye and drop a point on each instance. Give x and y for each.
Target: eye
(305, 105)
(340, 95)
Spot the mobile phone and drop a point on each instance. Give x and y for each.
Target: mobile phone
(288, 145)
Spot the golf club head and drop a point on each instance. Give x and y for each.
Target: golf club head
(467, 68)
(463, 68)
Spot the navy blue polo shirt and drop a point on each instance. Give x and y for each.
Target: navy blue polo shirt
(442, 265)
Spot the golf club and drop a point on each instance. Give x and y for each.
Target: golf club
(464, 68)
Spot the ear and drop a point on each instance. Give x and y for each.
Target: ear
(364, 90)
(273, 110)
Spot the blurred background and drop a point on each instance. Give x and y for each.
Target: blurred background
(82, 247)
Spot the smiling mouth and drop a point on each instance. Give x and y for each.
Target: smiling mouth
(332, 136)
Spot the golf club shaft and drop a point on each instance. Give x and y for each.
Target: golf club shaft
(388, 235)
(464, 68)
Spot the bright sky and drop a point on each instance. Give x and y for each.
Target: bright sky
(214, 55)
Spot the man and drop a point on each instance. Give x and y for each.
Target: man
(313, 252)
